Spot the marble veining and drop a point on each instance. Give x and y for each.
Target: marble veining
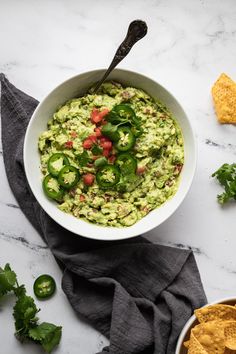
(189, 44)
(10, 205)
(229, 147)
(22, 241)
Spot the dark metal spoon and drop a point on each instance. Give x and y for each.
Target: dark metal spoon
(137, 30)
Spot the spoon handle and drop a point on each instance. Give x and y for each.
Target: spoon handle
(137, 30)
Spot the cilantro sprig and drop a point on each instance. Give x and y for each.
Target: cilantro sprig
(226, 175)
(25, 310)
(121, 114)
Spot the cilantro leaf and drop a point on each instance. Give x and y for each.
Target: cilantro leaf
(47, 334)
(114, 121)
(7, 280)
(226, 175)
(40, 332)
(96, 150)
(83, 158)
(123, 114)
(223, 198)
(113, 118)
(24, 315)
(20, 291)
(52, 340)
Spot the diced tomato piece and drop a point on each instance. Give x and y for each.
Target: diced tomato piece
(98, 132)
(93, 138)
(106, 152)
(95, 116)
(88, 179)
(87, 143)
(104, 112)
(107, 145)
(82, 198)
(103, 122)
(103, 139)
(97, 120)
(141, 170)
(73, 134)
(69, 144)
(112, 158)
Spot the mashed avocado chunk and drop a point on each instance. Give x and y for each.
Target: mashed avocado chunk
(136, 142)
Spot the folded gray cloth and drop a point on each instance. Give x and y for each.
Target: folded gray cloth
(138, 294)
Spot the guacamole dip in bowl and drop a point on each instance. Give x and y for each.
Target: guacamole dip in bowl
(111, 157)
(110, 165)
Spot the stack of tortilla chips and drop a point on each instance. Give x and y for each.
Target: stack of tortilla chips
(216, 331)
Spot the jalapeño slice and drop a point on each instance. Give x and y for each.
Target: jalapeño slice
(121, 113)
(56, 162)
(126, 139)
(52, 188)
(124, 111)
(68, 177)
(108, 176)
(44, 286)
(126, 163)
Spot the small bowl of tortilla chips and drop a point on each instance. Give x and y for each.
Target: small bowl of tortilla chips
(211, 330)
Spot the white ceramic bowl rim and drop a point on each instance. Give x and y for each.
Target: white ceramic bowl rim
(193, 318)
(80, 227)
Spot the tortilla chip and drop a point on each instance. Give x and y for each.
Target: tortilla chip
(195, 347)
(230, 335)
(224, 97)
(211, 336)
(216, 312)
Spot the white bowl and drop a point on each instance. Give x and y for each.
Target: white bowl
(185, 333)
(77, 86)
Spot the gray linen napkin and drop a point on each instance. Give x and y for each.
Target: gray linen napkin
(138, 294)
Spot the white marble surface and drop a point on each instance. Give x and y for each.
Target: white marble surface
(190, 42)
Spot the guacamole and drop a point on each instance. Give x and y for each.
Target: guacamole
(111, 157)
